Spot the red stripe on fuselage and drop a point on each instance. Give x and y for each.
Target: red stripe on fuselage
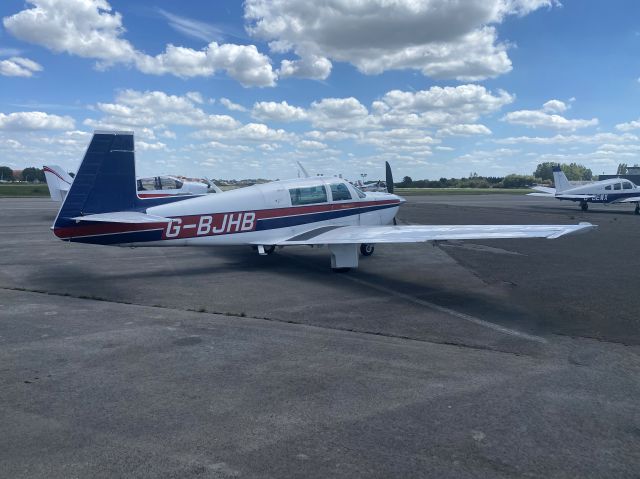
(113, 228)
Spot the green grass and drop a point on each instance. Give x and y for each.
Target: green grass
(461, 191)
(23, 189)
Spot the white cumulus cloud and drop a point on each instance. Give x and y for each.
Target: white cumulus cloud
(440, 38)
(547, 118)
(35, 120)
(91, 29)
(274, 111)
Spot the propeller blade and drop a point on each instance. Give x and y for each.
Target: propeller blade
(389, 177)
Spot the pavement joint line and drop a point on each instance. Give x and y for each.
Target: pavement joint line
(443, 309)
(273, 320)
(449, 311)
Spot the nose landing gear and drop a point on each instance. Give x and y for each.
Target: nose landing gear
(637, 210)
(584, 205)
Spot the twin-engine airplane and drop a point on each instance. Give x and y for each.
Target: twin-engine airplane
(59, 183)
(614, 190)
(103, 207)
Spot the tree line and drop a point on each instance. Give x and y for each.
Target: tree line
(543, 174)
(29, 175)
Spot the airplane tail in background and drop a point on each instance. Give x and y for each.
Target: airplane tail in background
(58, 182)
(560, 180)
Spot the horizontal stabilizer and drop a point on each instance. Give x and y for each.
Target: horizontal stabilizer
(543, 195)
(544, 189)
(123, 217)
(420, 233)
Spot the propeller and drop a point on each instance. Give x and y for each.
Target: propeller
(211, 185)
(389, 177)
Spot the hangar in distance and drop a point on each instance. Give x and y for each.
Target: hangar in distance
(102, 207)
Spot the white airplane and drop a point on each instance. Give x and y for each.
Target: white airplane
(59, 183)
(102, 207)
(614, 190)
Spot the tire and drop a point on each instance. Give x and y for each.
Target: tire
(269, 249)
(584, 206)
(366, 249)
(637, 210)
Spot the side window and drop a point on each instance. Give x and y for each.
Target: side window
(178, 184)
(168, 183)
(340, 192)
(308, 195)
(617, 186)
(146, 184)
(627, 186)
(608, 187)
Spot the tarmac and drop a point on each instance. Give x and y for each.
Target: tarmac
(503, 358)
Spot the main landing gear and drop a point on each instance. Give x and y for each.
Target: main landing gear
(637, 210)
(584, 205)
(366, 249)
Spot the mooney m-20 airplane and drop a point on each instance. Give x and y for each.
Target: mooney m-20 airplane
(102, 207)
(59, 183)
(614, 190)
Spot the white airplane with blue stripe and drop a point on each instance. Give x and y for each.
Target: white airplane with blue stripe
(611, 191)
(103, 207)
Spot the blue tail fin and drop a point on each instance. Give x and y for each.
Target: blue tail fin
(106, 180)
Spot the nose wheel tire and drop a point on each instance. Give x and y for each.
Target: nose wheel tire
(340, 270)
(366, 249)
(584, 206)
(637, 210)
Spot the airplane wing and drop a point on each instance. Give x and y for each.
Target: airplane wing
(421, 233)
(123, 217)
(575, 197)
(544, 189)
(633, 199)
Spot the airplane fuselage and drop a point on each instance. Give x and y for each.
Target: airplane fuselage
(606, 191)
(256, 214)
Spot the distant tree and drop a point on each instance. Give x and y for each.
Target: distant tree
(622, 169)
(576, 172)
(517, 181)
(6, 173)
(544, 171)
(406, 182)
(32, 174)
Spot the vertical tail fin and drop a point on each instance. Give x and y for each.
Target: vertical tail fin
(560, 180)
(58, 182)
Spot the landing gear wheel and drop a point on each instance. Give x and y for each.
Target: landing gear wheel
(340, 270)
(366, 249)
(269, 249)
(584, 206)
(637, 210)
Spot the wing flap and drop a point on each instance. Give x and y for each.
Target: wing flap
(575, 197)
(421, 233)
(544, 189)
(123, 217)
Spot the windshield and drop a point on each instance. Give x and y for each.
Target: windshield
(359, 191)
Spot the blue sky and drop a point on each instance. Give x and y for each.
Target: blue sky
(236, 90)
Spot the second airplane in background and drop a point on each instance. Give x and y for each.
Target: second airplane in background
(614, 190)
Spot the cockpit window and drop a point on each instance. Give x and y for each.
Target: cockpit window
(627, 185)
(169, 183)
(608, 187)
(359, 191)
(340, 192)
(308, 195)
(617, 186)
